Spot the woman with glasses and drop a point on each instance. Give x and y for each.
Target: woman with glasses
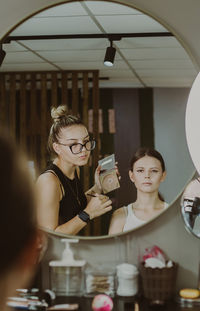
(62, 204)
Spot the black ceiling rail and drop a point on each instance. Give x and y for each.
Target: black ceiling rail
(109, 36)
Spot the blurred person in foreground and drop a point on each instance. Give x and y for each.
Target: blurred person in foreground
(20, 240)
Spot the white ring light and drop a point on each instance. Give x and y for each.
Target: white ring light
(192, 122)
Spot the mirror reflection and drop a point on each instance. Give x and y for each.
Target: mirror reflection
(147, 171)
(139, 102)
(190, 206)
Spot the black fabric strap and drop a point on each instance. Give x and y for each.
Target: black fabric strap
(84, 216)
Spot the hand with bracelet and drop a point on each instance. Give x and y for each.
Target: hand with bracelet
(98, 205)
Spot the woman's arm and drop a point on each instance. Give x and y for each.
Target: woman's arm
(48, 198)
(117, 221)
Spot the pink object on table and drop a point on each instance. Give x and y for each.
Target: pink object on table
(102, 302)
(154, 252)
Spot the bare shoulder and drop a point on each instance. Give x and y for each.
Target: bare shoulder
(48, 180)
(117, 221)
(119, 212)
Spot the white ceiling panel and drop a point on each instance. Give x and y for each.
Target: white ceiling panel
(119, 83)
(169, 82)
(57, 25)
(109, 8)
(129, 23)
(160, 53)
(88, 64)
(27, 67)
(67, 9)
(147, 42)
(144, 73)
(114, 73)
(21, 57)
(162, 64)
(69, 44)
(74, 55)
(13, 47)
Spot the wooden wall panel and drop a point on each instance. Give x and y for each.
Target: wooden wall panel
(3, 117)
(95, 100)
(75, 93)
(64, 87)
(54, 90)
(12, 106)
(22, 112)
(35, 93)
(44, 121)
(85, 107)
(33, 119)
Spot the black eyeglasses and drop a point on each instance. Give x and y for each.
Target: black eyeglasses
(77, 148)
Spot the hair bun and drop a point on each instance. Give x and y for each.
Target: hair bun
(58, 112)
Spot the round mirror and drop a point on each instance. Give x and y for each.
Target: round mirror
(190, 207)
(190, 203)
(56, 57)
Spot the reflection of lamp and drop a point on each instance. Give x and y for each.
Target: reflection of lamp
(110, 55)
(2, 55)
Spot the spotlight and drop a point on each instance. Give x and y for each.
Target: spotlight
(110, 55)
(2, 54)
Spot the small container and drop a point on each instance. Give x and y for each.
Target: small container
(158, 284)
(99, 280)
(66, 275)
(127, 277)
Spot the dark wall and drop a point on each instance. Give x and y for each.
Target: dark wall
(134, 128)
(126, 139)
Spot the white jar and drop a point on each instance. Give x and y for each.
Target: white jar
(127, 276)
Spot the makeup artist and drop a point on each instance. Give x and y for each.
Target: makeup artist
(62, 204)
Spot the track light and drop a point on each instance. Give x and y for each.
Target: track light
(110, 55)
(2, 54)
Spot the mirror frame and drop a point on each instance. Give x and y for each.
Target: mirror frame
(185, 47)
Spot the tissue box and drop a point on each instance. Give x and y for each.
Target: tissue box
(158, 284)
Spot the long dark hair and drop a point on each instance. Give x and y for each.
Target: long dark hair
(145, 151)
(17, 209)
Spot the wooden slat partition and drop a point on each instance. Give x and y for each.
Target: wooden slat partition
(12, 106)
(54, 89)
(3, 119)
(86, 169)
(22, 124)
(33, 119)
(95, 100)
(28, 97)
(85, 121)
(75, 93)
(44, 121)
(64, 88)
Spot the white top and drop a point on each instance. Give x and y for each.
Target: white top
(132, 221)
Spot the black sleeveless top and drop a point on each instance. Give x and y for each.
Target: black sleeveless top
(69, 204)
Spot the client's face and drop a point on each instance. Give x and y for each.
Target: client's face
(147, 174)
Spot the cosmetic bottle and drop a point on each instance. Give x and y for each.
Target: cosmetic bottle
(66, 275)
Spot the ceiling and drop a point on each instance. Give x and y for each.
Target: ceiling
(139, 62)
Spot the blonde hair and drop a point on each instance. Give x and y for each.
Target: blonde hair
(61, 119)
